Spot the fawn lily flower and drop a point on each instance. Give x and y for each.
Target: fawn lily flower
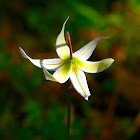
(71, 65)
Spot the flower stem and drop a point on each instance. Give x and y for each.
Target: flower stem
(68, 114)
(69, 42)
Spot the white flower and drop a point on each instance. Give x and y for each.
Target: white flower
(71, 65)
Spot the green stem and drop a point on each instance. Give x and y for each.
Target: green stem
(68, 114)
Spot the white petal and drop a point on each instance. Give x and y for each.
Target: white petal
(94, 67)
(50, 64)
(23, 53)
(62, 74)
(85, 52)
(62, 49)
(48, 76)
(79, 81)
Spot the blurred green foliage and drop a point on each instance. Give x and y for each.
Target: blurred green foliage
(32, 108)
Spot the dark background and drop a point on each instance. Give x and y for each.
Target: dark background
(32, 108)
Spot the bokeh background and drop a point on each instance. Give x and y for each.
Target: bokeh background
(32, 108)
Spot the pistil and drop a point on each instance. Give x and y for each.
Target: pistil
(69, 43)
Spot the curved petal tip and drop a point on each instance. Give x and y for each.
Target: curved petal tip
(112, 60)
(23, 53)
(67, 19)
(86, 98)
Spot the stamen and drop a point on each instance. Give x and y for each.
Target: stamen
(69, 43)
